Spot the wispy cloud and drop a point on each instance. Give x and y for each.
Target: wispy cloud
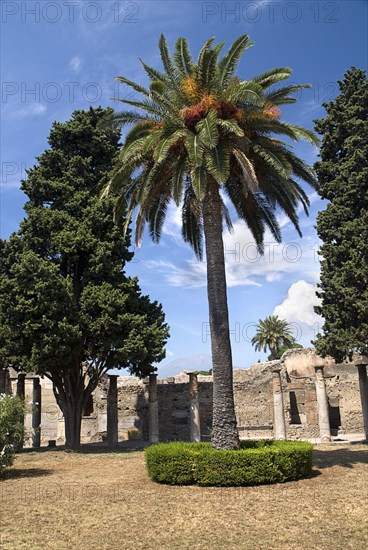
(75, 64)
(244, 265)
(34, 109)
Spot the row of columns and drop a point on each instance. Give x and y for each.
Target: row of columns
(153, 421)
(194, 417)
(195, 429)
(322, 405)
(322, 402)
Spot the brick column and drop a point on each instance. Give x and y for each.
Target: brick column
(363, 386)
(153, 428)
(322, 403)
(278, 406)
(21, 382)
(36, 414)
(195, 422)
(112, 411)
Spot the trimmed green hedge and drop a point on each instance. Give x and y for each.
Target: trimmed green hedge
(260, 461)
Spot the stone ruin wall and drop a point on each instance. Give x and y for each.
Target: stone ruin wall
(253, 401)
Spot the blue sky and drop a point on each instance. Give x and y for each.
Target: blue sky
(60, 56)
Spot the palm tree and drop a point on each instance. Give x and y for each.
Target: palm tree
(201, 132)
(272, 333)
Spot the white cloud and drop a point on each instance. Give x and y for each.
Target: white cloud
(298, 306)
(244, 265)
(34, 109)
(172, 226)
(75, 64)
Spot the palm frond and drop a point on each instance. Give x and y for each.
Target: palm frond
(218, 162)
(192, 228)
(229, 62)
(248, 93)
(268, 214)
(249, 175)
(166, 58)
(281, 96)
(153, 73)
(226, 217)
(274, 161)
(247, 209)
(182, 57)
(268, 78)
(162, 148)
(195, 149)
(156, 217)
(303, 133)
(208, 133)
(178, 180)
(230, 126)
(138, 131)
(137, 87)
(145, 105)
(129, 117)
(198, 178)
(207, 67)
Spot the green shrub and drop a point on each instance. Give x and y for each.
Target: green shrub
(261, 461)
(173, 463)
(11, 428)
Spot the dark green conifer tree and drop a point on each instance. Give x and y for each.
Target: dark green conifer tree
(343, 226)
(67, 310)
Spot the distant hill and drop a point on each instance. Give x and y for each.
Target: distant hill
(200, 361)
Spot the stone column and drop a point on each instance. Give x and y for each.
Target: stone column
(322, 404)
(4, 381)
(195, 422)
(278, 406)
(153, 429)
(112, 411)
(21, 382)
(36, 414)
(363, 386)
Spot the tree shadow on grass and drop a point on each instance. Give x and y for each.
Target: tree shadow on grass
(17, 473)
(123, 447)
(339, 457)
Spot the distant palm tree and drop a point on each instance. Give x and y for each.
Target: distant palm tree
(272, 333)
(200, 129)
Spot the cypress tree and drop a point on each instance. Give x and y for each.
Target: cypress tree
(343, 226)
(67, 309)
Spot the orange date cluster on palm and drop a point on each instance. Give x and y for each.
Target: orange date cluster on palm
(225, 110)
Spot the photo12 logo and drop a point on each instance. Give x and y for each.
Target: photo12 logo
(53, 12)
(244, 332)
(291, 252)
(69, 91)
(270, 12)
(11, 170)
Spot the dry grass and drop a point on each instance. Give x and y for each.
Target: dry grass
(93, 501)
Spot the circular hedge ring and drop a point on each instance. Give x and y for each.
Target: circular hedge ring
(256, 462)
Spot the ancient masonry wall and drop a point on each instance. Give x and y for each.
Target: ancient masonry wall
(254, 402)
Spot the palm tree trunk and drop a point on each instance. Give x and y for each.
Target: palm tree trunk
(224, 428)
